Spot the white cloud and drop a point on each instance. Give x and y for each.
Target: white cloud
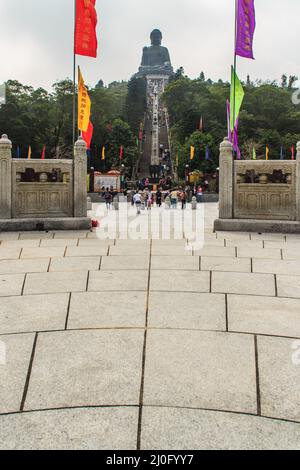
(36, 38)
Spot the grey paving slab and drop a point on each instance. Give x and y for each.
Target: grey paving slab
(33, 313)
(234, 235)
(9, 253)
(184, 429)
(264, 315)
(55, 282)
(59, 242)
(290, 253)
(131, 280)
(95, 242)
(91, 263)
(268, 236)
(45, 252)
(156, 244)
(187, 310)
(71, 234)
(281, 244)
(86, 368)
(9, 236)
(36, 235)
(171, 251)
(13, 372)
(276, 267)
(74, 429)
(185, 263)
(288, 286)
(133, 243)
(82, 251)
(117, 263)
(11, 284)
(263, 253)
(243, 283)
(180, 281)
(20, 243)
(279, 368)
(216, 251)
(24, 266)
(122, 250)
(245, 243)
(200, 369)
(225, 264)
(107, 310)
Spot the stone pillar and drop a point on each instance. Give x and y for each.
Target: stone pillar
(226, 180)
(5, 177)
(298, 183)
(80, 172)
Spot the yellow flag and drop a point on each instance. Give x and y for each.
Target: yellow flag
(192, 152)
(267, 153)
(254, 157)
(29, 152)
(103, 153)
(177, 160)
(84, 104)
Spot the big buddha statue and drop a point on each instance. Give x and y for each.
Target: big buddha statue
(156, 58)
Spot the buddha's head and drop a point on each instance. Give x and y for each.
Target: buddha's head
(156, 37)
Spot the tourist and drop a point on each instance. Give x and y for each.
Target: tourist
(200, 194)
(149, 201)
(158, 197)
(174, 199)
(183, 198)
(108, 198)
(137, 198)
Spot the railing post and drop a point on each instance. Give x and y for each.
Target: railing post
(80, 171)
(298, 183)
(5, 177)
(226, 180)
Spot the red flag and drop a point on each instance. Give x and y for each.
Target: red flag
(88, 135)
(293, 153)
(121, 152)
(86, 43)
(43, 153)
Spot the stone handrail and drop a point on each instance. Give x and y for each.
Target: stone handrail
(258, 189)
(36, 189)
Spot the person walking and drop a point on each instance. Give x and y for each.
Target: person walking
(174, 199)
(183, 198)
(158, 198)
(108, 198)
(137, 198)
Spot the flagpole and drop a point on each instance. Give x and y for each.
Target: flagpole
(74, 78)
(235, 62)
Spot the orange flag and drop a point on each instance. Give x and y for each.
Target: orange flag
(84, 104)
(87, 136)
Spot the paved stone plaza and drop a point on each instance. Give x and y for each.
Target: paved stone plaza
(125, 344)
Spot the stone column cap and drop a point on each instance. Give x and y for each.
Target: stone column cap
(5, 140)
(226, 144)
(80, 142)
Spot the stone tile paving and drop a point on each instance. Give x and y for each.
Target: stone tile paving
(141, 344)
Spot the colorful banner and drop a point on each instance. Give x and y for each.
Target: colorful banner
(245, 28)
(236, 98)
(192, 153)
(43, 156)
(29, 153)
(88, 135)
(86, 42)
(84, 105)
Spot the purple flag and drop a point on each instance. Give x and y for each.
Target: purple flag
(245, 28)
(228, 120)
(236, 140)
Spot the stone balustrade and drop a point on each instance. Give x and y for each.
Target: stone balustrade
(258, 195)
(42, 193)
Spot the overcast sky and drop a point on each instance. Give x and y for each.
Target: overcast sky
(36, 38)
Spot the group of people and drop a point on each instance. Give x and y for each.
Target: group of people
(144, 199)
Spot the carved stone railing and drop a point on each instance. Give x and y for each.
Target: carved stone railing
(43, 189)
(257, 190)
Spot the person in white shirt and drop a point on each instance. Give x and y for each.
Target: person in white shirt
(137, 199)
